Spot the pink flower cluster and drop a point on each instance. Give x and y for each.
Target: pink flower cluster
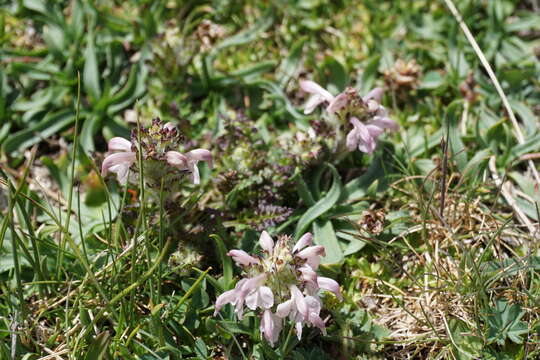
(282, 283)
(159, 158)
(366, 114)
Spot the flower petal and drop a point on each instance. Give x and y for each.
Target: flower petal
(118, 163)
(195, 176)
(266, 242)
(313, 88)
(375, 94)
(228, 297)
(330, 285)
(304, 241)
(374, 130)
(266, 297)
(284, 308)
(251, 284)
(385, 123)
(308, 275)
(121, 171)
(312, 255)
(169, 126)
(119, 144)
(299, 301)
(353, 137)
(314, 304)
(270, 327)
(252, 300)
(312, 103)
(366, 142)
(200, 155)
(174, 158)
(243, 258)
(298, 327)
(261, 297)
(316, 321)
(338, 103)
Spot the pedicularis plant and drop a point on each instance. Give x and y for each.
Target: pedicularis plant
(162, 163)
(367, 116)
(282, 283)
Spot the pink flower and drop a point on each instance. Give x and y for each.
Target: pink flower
(330, 285)
(283, 275)
(266, 242)
(313, 309)
(250, 291)
(319, 95)
(120, 160)
(155, 143)
(363, 137)
(304, 241)
(270, 326)
(367, 116)
(243, 258)
(262, 297)
(189, 161)
(312, 255)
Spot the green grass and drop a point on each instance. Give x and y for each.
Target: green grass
(433, 238)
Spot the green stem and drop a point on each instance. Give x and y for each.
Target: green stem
(129, 289)
(284, 350)
(72, 179)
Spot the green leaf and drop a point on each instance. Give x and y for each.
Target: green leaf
(324, 234)
(321, 206)
(504, 322)
(358, 188)
(91, 72)
(370, 73)
(477, 164)
(335, 75)
(226, 261)
(527, 116)
(200, 349)
(303, 191)
(458, 151)
(88, 132)
(289, 66)
(432, 80)
(247, 35)
(530, 145)
(98, 349)
(50, 125)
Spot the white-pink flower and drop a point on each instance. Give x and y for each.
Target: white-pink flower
(189, 161)
(120, 159)
(283, 282)
(270, 326)
(367, 116)
(158, 159)
(318, 95)
(363, 137)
